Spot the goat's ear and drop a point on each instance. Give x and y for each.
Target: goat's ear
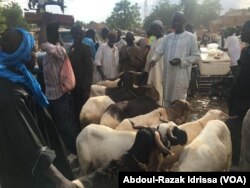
(162, 119)
(181, 137)
(137, 127)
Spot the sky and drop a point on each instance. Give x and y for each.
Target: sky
(100, 10)
(86, 10)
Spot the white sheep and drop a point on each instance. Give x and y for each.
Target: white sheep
(178, 113)
(137, 159)
(244, 164)
(210, 151)
(98, 144)
(97, 90)
(192, 129)
(93, 109)
(109, 83)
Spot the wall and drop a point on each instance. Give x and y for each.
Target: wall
(236, 18)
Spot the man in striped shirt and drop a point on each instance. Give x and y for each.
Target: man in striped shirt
(49, 41)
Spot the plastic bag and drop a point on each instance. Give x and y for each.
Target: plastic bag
(67, 77)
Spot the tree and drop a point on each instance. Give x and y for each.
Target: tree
(81, 23)
(163, 11)
(195, 13)
(211, 10)
(3, 26)
(2, 20)
(124, 16)
(14, 16)
(191, 10)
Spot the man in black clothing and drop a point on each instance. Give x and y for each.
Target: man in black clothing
(80, 58)
(31, 153)
(239, 97)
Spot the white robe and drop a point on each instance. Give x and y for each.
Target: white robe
(108, 58)
(156, 72)
(176, 78)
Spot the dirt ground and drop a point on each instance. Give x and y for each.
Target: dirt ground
(202, 103)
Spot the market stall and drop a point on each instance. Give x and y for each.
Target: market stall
(214, 75)
(214, 62)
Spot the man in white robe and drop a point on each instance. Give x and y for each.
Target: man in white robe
(156, 72)
(106, 60)
(179, 51)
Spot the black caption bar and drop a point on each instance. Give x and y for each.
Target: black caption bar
(160, 179)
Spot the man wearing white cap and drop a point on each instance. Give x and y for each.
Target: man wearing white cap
(156, 72)
(179, 51)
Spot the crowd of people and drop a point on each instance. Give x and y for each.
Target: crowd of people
(33, 125)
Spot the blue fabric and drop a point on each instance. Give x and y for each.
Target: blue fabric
(88, 41)
(17, 60)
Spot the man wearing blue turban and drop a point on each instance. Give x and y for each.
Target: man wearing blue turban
(31, 152)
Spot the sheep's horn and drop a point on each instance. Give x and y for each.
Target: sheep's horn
(232, 117)
(119, 76)
(226, 116)
(137, 127)
(160, 145)
(78, 183)
(161, 118)
(170, 133)
(132, 123)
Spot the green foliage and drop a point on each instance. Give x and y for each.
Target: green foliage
(81, 23)
(163, 11)
(3, 26)
(229, 31)
(124, 16)
(14, 16)
(210, 10)
(195, 13)
(190, 9)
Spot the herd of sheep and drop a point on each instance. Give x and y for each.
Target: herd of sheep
(114, 116)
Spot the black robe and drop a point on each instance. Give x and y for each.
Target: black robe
(239, 97)
(29, 142)
(239, 102)
(80, 58)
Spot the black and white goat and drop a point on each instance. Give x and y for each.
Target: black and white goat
(137, 159)
(98, 144)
